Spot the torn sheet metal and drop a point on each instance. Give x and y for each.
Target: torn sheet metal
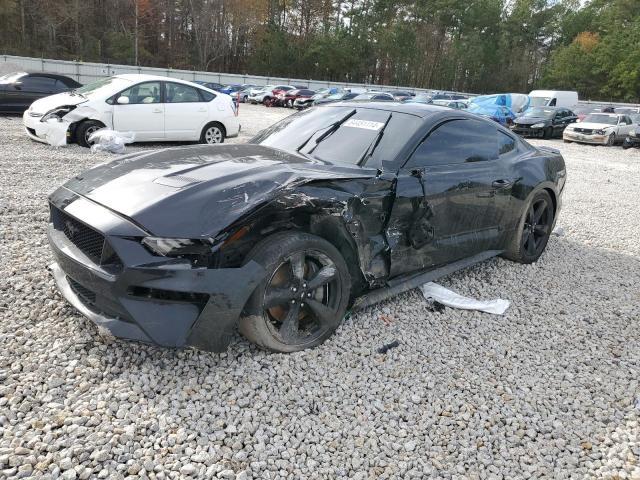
(112, 141)
(433, 291)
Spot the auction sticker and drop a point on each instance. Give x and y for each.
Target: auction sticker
(366, 124)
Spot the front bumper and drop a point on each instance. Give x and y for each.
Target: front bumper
(525, 131)
(51, 132)
(585, 138)
(136, 295)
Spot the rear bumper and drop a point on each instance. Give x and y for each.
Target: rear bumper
(147, 298)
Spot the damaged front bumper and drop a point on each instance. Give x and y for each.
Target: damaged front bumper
(585, 138)
(53, 132)
(107, 275)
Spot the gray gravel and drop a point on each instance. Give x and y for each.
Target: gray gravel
(549, 390)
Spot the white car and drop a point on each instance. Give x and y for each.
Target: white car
(266, 93)
(599, 129)
(154, 108)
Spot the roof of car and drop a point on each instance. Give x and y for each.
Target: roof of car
(141, 77)
(418, 109)
(45, 74)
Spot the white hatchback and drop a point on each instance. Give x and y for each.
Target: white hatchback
(154, 108)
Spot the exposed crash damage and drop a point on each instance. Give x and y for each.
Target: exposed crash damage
(334, 208)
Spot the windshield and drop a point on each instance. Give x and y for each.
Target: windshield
(11, 77)
(340, 135)
(539, 112)
(539, 101)
(601, 118)
(103, 86)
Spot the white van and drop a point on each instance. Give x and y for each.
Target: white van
(553, 98)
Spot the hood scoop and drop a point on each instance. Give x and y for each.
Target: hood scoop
(177, 181)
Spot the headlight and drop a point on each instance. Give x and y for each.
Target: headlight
(599, 132)
(177, 247)
(57, 113)
(537, 125)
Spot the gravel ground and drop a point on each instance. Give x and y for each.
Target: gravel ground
(549, 390)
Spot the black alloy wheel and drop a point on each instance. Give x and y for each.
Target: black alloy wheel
(304, 296)
(534, 230)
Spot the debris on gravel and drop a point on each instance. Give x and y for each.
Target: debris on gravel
(549, 390)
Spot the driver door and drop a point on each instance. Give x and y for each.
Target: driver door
(452, 197)
(143, 115)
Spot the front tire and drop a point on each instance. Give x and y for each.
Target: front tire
(611, 141)
(85, 130)
(303, 297)
(213, 133)
(548, 133)
(531, 237)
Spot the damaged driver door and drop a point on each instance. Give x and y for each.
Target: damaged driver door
(451, 198)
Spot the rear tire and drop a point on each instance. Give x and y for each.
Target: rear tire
(304, 296)
(85, 130)
(213, 133)
(534, 228)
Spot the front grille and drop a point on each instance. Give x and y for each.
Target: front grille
(88, 241)
(586, 131)
(87, 296)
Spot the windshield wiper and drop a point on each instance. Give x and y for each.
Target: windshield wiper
(330, 129)
(372, 147)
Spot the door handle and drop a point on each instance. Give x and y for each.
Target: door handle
(503, 183)
(157, 110)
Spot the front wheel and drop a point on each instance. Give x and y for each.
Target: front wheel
(212, 133)
(611, 140)
(531, 237)
(548, 133)
(85, 130)
(303, 297)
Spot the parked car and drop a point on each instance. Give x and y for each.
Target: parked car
(284, 234)
(448, 96)
(336, 97)
(229, 89)
(242, 95)
(424, 98)
(154, 108)
(498, 113)
(401, 95)
(292, 96)
(455, 104)
(375, 97)
(554, 98)
(210, 85)
(266, 94)
(18, 90)
(632, 139)
(599, 129)
(278, 97)
(544, 122)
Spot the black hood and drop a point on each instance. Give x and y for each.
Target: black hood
(197, 191)
(532, 120)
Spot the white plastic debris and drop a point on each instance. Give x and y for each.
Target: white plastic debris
(53, 131)
(558, 231)
(433, 291)
(105, 140)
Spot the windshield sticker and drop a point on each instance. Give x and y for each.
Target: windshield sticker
(366, 124)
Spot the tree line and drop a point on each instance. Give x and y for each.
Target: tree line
(479, 46)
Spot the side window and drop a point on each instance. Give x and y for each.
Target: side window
(60, 86)
(455, 142)
(148, 92)
(506, 143)
(206, 96)
(38, 84)
(627, 120)
(552, 103)
(179, 93)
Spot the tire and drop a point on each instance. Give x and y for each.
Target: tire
(548, 133)
(286, 313)
(266, 101)
(530, 238)
(213, 133)
(566, 141)
(85, 130)
(626, 145)
(611, 140)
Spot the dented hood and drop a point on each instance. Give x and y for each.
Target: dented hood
(54, 101)
(197, 191)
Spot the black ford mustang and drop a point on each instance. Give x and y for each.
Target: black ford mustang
(333, 208)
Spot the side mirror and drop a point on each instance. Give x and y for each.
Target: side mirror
(123, 100)
(17, 85)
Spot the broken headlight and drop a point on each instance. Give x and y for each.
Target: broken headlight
(599, 132)
(57, 113)
(538, 125)
(198, 252)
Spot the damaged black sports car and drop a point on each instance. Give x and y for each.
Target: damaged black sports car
(331, 209)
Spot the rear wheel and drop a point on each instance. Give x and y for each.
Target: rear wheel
(303, 297)
(85, 130)
(212, 133)
(534, 229)
(626, 144)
